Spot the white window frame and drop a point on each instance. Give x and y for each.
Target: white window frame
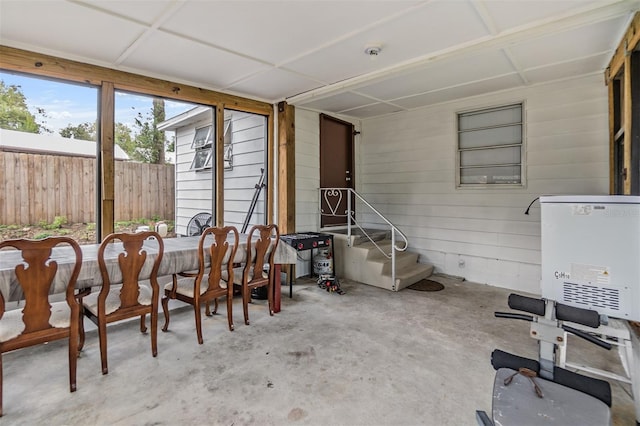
(202, 147)
(521, 144)
(228, 145)
(199, 145)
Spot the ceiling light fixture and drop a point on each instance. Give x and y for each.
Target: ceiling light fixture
(373, 50)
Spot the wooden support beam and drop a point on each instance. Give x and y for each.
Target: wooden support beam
(286, 168)
(612, 140)
(106, 166)
(51, 66)
(627, 124)
(627, 45)
(634, 126)
(219, 175)
(270, 171)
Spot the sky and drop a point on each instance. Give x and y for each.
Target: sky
(66, 103)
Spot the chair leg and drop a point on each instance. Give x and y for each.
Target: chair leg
(73, 357)
(102, 333)
(154, 329)
(143, 325)
(0, 384)
(207, 311)
(165, 309)
(215, 305)
(81, 330)
(246, 294)
(270, 298)
(196, 309)
(229, 310)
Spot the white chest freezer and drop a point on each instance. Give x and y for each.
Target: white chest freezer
(591, 253)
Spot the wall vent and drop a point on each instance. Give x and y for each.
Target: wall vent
(589, 295)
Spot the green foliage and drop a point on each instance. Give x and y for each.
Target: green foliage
(122, 135)
(57, 223)
(91, 226)
(41, 236)
(150, 142)
(84, 131)
(14, 112)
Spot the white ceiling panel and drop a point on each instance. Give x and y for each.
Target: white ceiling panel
(339, 102)
(185, 60)
(373, 110)
(478, 88)
(66, 27)
(575, 43)
(508, 14)
(566, 69)
(274, 82)
(311, 53)
(414, 35)
(451, 72)
(274, 31)
(146, 11)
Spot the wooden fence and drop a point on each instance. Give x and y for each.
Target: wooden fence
(37, 187)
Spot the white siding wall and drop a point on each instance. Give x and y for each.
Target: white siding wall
(249, 156)
(406, 169)
(307, 129)
(194, 189)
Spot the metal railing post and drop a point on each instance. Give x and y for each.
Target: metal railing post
(335, 192)
(349, 217)
(393, 258)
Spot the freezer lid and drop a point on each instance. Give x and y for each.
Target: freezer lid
(591, 199)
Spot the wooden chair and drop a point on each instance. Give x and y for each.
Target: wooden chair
(116, 302)
(193, 290)
(260, 253)
(41, 321)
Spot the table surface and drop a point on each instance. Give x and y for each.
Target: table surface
(180, 254)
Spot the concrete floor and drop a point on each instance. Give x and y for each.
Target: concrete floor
(368, 357)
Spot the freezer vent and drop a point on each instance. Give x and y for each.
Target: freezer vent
(596, 297)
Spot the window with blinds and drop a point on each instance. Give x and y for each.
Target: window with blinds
(490, 148)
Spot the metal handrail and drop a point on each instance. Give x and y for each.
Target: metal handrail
(350, 214)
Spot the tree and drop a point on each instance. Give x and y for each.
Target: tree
(14, 113)
(150, 142)
(122, 134)
(84, 131)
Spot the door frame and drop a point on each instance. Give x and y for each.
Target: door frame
(350, 160)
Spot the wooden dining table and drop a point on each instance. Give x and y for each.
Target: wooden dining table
(180, 254)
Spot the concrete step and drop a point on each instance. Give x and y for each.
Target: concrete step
(366, 263)
(406, 277)
(358, 237)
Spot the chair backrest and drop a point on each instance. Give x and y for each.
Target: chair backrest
(132, 263)
(220, 255)
(261, 250)
(36, 274)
